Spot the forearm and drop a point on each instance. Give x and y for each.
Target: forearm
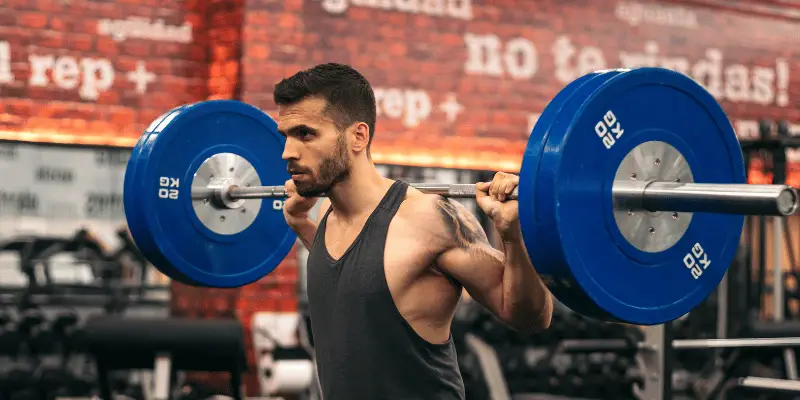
(527, 303)
(305, 229)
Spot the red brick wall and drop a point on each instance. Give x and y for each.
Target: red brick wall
(67, 67)
(225, 38)
(503, 60)
(63, 72)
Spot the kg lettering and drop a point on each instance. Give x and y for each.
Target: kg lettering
(168, 187)
(696, 261)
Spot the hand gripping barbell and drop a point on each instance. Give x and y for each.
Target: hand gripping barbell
(632, 195)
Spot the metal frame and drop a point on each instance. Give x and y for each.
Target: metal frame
(490, 366)
(656, 359)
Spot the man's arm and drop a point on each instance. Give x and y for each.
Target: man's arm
(503, 281)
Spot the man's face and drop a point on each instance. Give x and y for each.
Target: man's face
(315, 150)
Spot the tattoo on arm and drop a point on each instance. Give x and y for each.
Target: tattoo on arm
(466, 233)
(463, 226)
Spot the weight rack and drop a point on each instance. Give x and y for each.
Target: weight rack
(656, 358)
(656, 354)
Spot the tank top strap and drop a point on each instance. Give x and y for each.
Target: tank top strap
(394, 197)
(325, 217)
(321, 230)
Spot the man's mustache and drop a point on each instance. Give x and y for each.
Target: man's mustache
(296, 170)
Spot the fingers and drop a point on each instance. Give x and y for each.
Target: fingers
(291, 189)
(488, 205)
(501, 186)
(296, 206)
(484, 200)
(510, 182)
(481, 190)
(291, 194)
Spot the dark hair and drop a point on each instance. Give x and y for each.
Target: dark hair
(348, 93)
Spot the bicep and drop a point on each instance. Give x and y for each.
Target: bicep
(468, 256)
(480, 272)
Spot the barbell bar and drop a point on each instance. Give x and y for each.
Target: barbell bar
(632, 195)
(619, 345)
(680, 344)
(746, 199)
(754, 382)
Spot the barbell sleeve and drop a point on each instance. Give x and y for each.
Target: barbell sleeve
(681, 344)
(743, 199)
(257, 192)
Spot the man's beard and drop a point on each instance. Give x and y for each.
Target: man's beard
(332, 170)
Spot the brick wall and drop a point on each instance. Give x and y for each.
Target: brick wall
(444, 69)
(225, 38)
(453, 69)
(97, 71)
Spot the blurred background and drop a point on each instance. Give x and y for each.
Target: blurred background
(459, 86)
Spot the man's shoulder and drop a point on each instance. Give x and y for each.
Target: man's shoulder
(420, 206)
(427, 215)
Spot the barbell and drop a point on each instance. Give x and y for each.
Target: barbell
(632, 195)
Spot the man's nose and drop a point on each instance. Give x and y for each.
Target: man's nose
(289, 151)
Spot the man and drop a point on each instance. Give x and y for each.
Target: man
(386, 262)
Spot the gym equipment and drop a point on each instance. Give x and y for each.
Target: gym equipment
(17, 384)
(31, 324)
(656, 357)
(165, 345)
(111, 287)
(623, 177)
(471, 372)
(64, 326)
(10, 338)
(488, 365)
(36, 355)
(196, 391)
(54, 377)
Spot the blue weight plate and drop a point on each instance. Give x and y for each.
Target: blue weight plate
(551, 274)
(168, 269)
(173, 155)
(529, 170)
(133, 188)
(609, 277)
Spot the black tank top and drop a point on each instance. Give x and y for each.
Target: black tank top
(364, 348)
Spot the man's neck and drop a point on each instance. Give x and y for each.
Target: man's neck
(359, 193)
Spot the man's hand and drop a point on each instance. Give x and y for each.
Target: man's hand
(492, 198)
(296, 208)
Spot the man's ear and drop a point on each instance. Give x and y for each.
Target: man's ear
(359, 137)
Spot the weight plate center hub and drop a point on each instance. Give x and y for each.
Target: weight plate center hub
(220, 213)
(651, 231)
